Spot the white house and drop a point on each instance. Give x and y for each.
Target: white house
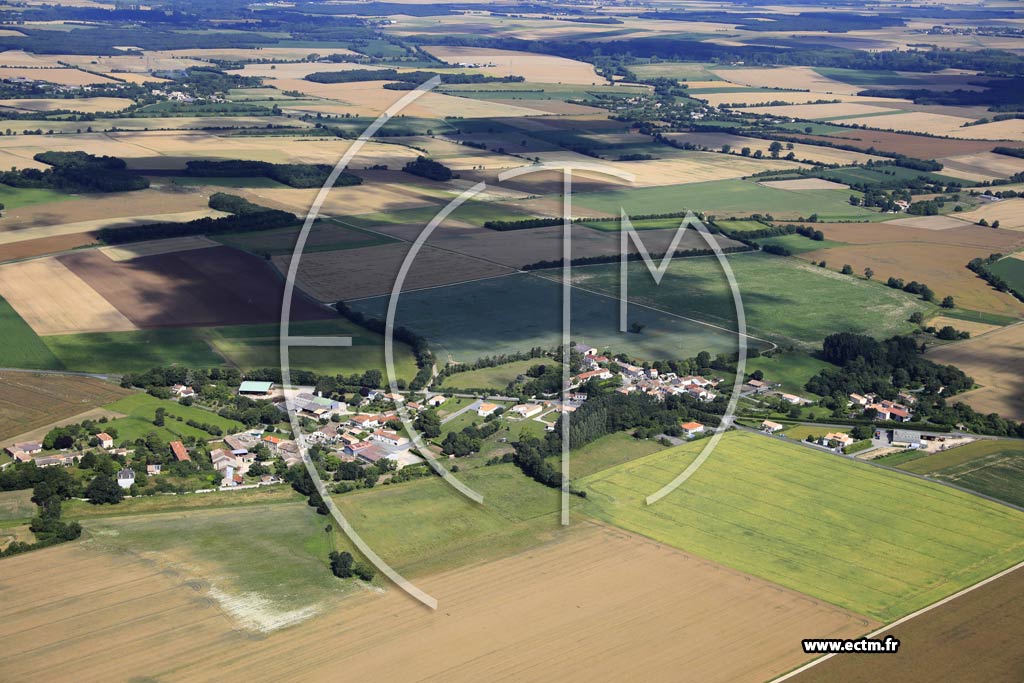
(487, 409)
(527, 409)
(125, 478)
(106, 440)
(436, 400)
(386, 436)
(771, 427)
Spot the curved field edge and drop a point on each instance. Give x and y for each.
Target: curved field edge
(863, 538)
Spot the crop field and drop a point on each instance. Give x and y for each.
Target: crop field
(325, 235)
(87, 105)
(508, 314)
(136, 351)
(90, 586)
(805, 184)
(974, 327)
(22, 347)
(991, 360)
(769, 508)
(14, 198)
(1009, 213)
(982, 166)
(66, 305)
(1011, 129)
(725, 198)
(15, 505)
(994, 467)
(177, 289)
(963, 640)
(828, 112)
(29, 401)
(784, 299)
(683, 71)
(609, 451)
(799, 244)
(396, 195)
(793, 77)
(917, 146)
(372, 271)
(57, 76)
(824, 155)
(134, 250)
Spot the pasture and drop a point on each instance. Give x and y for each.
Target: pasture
(790, 369)
(144, 406)
(866, 539)
(496, 378)
(508, 314)
(29, 401)
(1011, 269)
(784, 299)
(608, 451)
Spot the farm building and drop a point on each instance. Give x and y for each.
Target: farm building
(106, 440)
(692, 429)
(527, 409)
(153, 470)
(372, 454)
(365, 421)
(29, 447)
(836, 440)
(436, 400)
(859, 400)
(906, 438)
(255, 389)
(771, 427)
(182, 391)
(600, 373)
(386, 436)
(585, 350)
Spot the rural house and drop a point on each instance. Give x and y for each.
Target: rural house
(106, 440)
(179, 451)
(771, 427)
(125, 478)
(692, 429)
(487, 409)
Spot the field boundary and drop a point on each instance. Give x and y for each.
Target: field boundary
(902, 620)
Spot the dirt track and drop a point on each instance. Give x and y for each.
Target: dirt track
(597, 604)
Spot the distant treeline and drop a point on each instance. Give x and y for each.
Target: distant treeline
(294, 175)
(77, 172)
(405, 80)
(1010, 151)
(428, 168)
(245, 217)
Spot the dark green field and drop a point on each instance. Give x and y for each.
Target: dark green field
(1011, 270)
(21, 347)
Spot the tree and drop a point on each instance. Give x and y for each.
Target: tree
(341, 564)
(745, 151)
(917, 317)
(995, 224)
(775, 148)
(104, 489)
(948, 302)
(429, 423)
(847, 269)
(868, 273)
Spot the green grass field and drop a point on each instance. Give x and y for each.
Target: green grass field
(22, 347)
(727, 198)
(245, 346)
(1011, 270)
(792, 369)
(509, 314)
(785, 300)
(496, 378)
(689, 71)
(275, 556)
(801, 432)
(609, 451)
(17, 505)
(798, 244)
(141, 409)
(992, 467)
(870, 540)
(425, 526)
(15, 197)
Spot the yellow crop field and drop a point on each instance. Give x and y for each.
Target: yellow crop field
(535, 68)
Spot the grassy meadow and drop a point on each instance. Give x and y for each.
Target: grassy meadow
(22, 347)
(873, 541)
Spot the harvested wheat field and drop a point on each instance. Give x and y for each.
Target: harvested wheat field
(535, 68)
(65, 305)
(372, 271)
(919, 146)
(915, 122)
(298, 69)
(805, 184)
(369, 98)
(993, 360)
(86, 229)
(938, 222)
(972, 639)
(127, 252)
(795, 77)
(1011, 129)
(755, 98)
(620, 604)
(88, 105)
(209, 286)
(982, 166)
(1009, 213)
(346, 201)
(29, 401)
(826, 155)
(821, 111)
(976, 329)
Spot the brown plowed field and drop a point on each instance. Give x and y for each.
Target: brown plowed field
(212, 286)
(28, 400)
(973, 639)
(993, 360)
(918, 146)
(598, 604)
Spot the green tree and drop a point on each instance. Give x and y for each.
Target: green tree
(948, 302)
(104, 489)
(847, 269)
(341, 564)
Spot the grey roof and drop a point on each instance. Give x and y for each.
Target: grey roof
(906, 435)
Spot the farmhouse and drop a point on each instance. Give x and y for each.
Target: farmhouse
(527, 409)
(309, 405)
(585, 350)
(436, 400)
(182, 391)
(692, 429)
(255, 389)
(836, 440)
(372, 454)
(487, 409)
(29, 447)
(125, 478)
(792, 399)
(179, 451)
(106, 440)
(54, 460)
(771, 427)
(386, 436)
(858, 400)
(153, 470)
(584, 377)
(365, 421)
